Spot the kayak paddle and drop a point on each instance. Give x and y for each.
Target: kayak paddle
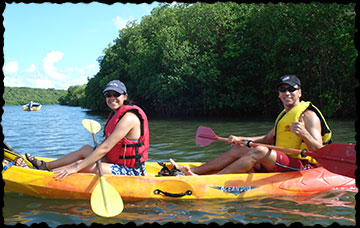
(105, 200)
(338, 158)
(10, 154)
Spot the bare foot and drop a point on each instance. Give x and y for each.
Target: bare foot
(186, 170)
(19, 161)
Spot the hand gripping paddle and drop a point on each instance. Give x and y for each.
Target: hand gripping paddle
(338, 158)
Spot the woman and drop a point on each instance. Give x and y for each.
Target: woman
(124, 150)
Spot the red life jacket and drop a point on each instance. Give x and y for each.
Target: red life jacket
(130, 153)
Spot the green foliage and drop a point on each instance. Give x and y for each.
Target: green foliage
(74, 96)
(225, 58)
(23, 95)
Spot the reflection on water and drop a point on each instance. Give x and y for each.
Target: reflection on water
(56, 130)
(279, 210)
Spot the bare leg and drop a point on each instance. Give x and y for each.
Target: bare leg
(216, 164)
(186, 170)
(221, 161)
(77, 155)
(246, 163)
(93, 168)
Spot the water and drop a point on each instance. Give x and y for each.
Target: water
(57, 130)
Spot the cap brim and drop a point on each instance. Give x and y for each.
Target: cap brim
(287, 83)
(114, 89)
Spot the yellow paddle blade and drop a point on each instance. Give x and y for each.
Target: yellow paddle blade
(91, 125)
(105, 200)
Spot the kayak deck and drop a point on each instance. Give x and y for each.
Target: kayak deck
(227, 186)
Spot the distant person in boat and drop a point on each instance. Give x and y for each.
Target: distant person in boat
(125, 148)
(300, 126)
(30, 105)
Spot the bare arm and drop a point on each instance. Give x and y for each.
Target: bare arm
(309, 129)
(129, 125)
(265, 139)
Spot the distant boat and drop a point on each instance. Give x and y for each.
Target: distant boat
(32, 106)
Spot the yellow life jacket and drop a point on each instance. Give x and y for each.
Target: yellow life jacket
(285, 138)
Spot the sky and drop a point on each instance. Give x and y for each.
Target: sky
(57, 45)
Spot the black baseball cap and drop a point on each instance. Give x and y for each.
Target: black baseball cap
(290, 80)
(115, 85)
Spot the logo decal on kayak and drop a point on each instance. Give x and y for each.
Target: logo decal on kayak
(234, 190)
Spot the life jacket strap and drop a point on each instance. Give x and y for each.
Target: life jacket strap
(137, 156)
(133, 145)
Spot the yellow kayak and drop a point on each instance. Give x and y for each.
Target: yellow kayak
(40, 183)
(32, 107)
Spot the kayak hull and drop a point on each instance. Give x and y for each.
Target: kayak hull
(228, 186)
(35, 107)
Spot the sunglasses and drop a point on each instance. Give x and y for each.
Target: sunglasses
(112, 94)
(290, 89)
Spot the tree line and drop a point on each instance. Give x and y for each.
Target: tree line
(225, 58)
(23, 95)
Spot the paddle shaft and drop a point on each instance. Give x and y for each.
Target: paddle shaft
(102, 184)
(10, 154)
(252, 144)
(98, 162)
(337, 158)
(290, 150)
(207, 133)
(93, 133)
(103, 191)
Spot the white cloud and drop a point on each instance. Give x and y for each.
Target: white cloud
(88, 72)
(43, 83)
(31, 69)
(49, 76)
(79, 75)
(11, 68)
(121, 23)
(48, 65)
(13, 82)
(91, 67)
(173, 3)
(147, 7)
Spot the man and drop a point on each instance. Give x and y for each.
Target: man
(300, 126)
